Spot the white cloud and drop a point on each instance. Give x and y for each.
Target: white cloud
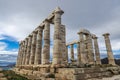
(8, 52)
(2, 46)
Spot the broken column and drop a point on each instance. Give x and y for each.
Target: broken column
(109, 49)
(57, 55)
(97, 53)
(38, 46)
(33, 47)
(28, 49)
(46, 47)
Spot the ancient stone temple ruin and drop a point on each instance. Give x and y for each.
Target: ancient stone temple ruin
(34, 54)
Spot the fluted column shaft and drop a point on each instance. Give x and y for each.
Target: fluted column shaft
(63, 43)
(28, 49)
(90, 49)
(82, 49)
(33, 48)
(38, 46)
(23, 53)
(78, 53)
(46, 47)
(19, 53)
(72, 52)
(97, 53)
(109, 49)
(57, 55)
(67, 54)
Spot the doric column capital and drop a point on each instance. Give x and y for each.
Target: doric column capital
(46, 21)
(34, 32)
(30, 35)
(106, 34)
(94, 37)
(26, 38)
(71, 44)
(80, 33)
(58, 10)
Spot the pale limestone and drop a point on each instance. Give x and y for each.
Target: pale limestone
(109, 49)
(46, 47)
(38, 47)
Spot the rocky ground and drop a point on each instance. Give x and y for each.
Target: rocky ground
(10, 75)
(2, 76)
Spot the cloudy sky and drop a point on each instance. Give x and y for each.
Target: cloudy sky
(18, 18)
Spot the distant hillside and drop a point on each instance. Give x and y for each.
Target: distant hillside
(11, 65)
(105, 61)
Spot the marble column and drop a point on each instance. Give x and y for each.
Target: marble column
(90, 49)
(57, 55)
(109, 49)
(28, 49)
(78, 53)
(82, 48)
(25, 51)
(38, 46)
(71, 52)
(67, 54)
(63, 43)
(33, 48)
(20, 61)
(97, 53)
(46, 47)
(19, 53)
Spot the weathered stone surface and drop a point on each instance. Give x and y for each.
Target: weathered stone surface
(34, 60)
(38, 47)
(97, 53)
(57, 54)
(33, 48)
(109, 49)
(46, 47)
(28, 49)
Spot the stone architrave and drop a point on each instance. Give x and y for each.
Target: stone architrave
(97, 52)
(72, 52)
(90, 49)
(46, 47)
(109, 49)
(38, 46)
(33, 48)
(28, 49)
(82, 48)
(57, 53)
